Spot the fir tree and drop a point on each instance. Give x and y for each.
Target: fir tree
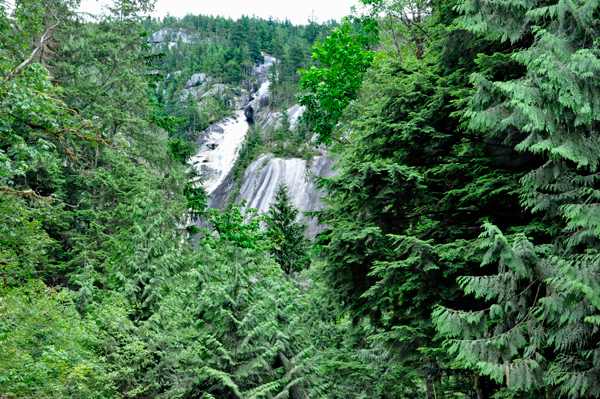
(537, 332)
(413, 188)
(231, 326)
(290, 248)
(547, 340)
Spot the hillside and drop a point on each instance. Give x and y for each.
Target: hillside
(399, 205)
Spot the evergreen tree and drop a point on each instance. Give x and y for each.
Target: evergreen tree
(460, 255)
(546, 342)
(232, 325)
(413, 189)
(102, 67)
(48, 349)
(290, 248)
(538, 335)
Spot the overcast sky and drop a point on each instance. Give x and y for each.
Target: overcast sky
(297, 11)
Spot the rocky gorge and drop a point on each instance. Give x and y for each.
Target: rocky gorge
(219, 144)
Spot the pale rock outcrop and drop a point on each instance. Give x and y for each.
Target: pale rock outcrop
(218, 88)
(196, 79)
(262, 71)
(295, 113)
(269, 118)
(264, 175)
(219, 145)
(171, 35)
(175, 73)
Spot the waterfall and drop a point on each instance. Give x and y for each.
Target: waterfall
(219, 149)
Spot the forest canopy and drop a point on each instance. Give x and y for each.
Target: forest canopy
(459, 254)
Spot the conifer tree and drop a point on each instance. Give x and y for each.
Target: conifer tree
(413, 189)
(542, 324)
(231, 326)
(290, 248)
(537, 332)
(102, 69)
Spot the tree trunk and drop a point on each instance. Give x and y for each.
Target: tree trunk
(480, 387)
(430, 389)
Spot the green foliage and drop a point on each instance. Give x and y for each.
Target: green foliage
(227, 51)
(413, 188)
(196, 116)
(460, 255)
(229, 323)
(290, 249)
(146, 254)
(283, 142)
(350, 360)
(231, 327)
(92, 58)
(536, 335)
(250, 150)
(47, 348)
(33, 121)
(140, 313)
(399, 27)
(540, 333)
(230, 226)
(181, 150)
(331, 88)
(23, 241)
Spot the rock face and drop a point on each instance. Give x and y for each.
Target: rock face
(218, 148)
(196, 79)
(295, 113)
(171, 35)
(262, 71)
(264, 175)
(269, 118)
(249, 113)
(216, 90)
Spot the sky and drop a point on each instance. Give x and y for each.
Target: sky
(297, 11)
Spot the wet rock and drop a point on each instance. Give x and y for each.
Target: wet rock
(249, 114)
(218, 148)
(216, 129)
(262, 71)
(218, 156)
(265, 100)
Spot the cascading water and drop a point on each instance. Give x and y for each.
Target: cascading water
(219, 145)
(219, 150)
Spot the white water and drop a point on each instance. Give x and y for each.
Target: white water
(263, 89)
(219, 150)
(215, 164)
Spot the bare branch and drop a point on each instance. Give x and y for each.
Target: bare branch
(33, 54)
(31, 195)
(60, 133)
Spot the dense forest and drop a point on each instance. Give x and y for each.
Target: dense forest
(226, 52)
(460, 247)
